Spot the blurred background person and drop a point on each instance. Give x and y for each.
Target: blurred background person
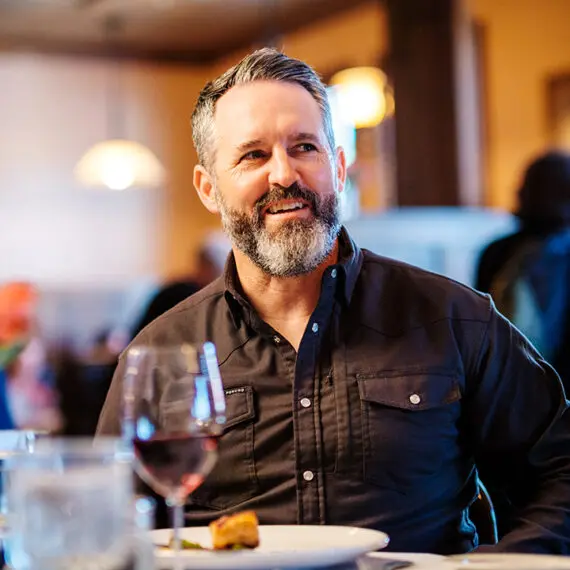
(83, 381)
(210, 261)
(28, 399)
(16, 300)
(528, 271)
(32, 397)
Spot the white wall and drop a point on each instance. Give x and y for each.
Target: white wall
(51, 110)
(52, 232)
(444, 240)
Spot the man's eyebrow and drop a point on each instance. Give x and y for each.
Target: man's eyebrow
(248, 145)
(305, 137)
(254, 144)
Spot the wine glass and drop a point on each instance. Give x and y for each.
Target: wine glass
(173, 412)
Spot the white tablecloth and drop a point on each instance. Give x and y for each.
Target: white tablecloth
(389, 561)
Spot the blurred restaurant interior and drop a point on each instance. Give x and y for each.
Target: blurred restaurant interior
(462, 94)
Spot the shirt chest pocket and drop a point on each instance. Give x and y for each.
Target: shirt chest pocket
(408, 426)
(233, 479)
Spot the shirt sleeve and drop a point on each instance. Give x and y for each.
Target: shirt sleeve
(518, 421)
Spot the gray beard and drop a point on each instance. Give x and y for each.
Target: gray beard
(297, 247)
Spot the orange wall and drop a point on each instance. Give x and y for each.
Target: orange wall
(169, 95)
(527, 40)
(355, 37)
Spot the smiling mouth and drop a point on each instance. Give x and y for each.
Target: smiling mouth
(286, 207)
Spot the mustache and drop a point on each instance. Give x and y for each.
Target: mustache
(293, 192)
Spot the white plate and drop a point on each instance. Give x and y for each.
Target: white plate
(281, 546)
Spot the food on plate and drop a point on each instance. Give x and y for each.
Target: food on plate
(186, 545)
(233, 532)
(239, 530)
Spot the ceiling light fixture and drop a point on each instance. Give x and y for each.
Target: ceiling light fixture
(118, 163)
(364, 96)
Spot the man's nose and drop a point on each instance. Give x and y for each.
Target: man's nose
(282, 169)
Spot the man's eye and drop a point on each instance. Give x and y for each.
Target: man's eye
(306, 147)
(253, 155)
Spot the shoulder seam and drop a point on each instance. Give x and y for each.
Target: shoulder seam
(177, 310)
(195, 303)
(404, 266)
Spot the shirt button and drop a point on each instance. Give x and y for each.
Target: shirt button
(333, 273)
(415, 399)
(276, 339)
(308, 475)
(305, 402)
(315, 328)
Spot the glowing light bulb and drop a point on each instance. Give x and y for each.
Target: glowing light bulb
(119, 164)
(362, 95)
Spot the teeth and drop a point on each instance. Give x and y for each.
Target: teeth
(285, 207)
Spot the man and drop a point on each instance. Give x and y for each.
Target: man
(360, 390)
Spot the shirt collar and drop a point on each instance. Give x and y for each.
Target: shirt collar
(347, 268)
(349, 263)
(233, 294)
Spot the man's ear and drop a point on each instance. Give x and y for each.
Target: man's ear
(340, 168)
(206, 189)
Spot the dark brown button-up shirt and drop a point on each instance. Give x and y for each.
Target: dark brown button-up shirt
(404, 385)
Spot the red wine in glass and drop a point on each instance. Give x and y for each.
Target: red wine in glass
(176, 461)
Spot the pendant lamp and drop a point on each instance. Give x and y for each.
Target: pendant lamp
(364, 97)
(118, 163)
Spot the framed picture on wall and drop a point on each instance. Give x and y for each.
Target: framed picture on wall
(558, 101)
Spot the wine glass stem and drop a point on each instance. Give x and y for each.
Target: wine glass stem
(177, 507)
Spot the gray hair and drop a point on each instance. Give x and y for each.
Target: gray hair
(266, 64)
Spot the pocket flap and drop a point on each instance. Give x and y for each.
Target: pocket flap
(410, 392)
(239, 406)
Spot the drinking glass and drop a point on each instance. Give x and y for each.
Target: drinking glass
(69, 506)
(173, 413)
(12, 442)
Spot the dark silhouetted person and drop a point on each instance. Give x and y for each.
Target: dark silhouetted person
(528, 272)
(210, 264)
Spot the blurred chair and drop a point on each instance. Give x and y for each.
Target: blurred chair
(482, 514)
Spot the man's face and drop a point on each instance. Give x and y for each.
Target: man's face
(276, 180)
